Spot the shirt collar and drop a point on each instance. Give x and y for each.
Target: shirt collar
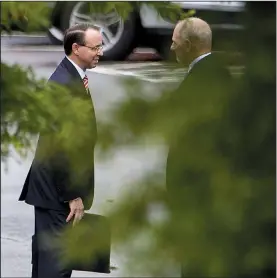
(197, 60)
(80, 71)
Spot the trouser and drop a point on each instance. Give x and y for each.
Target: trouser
(46, 261)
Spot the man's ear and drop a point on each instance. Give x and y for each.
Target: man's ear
(188, 45)
(75, 49)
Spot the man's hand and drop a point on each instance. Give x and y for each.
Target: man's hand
(76, 210)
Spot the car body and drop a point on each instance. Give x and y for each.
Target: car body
(144, 27)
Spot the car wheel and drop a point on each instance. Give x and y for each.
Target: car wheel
(55, 36)
(118, 35)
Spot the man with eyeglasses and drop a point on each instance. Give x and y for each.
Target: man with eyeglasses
(58, 199)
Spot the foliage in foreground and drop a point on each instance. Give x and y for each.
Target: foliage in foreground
(223, 220)
(226, 223)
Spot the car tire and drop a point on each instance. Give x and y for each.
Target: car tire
(126, 43)
(53, 39)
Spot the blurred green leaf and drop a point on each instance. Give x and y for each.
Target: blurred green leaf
(27, 16)
(224, 222)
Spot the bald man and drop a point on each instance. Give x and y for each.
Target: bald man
(205, 84)
(191, 41)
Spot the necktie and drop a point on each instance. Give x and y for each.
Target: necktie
(85, 80)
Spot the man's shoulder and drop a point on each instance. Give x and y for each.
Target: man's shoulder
(60, 75)
(211, 67)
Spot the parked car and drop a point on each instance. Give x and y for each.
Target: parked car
(144, 27)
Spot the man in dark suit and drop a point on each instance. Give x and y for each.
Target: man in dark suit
(58, 194)
(206, 83)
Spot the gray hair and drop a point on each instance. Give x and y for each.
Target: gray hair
(197, 31)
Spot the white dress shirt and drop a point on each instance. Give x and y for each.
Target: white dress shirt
(80, 71)
(197, 60)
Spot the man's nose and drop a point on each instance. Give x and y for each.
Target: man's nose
(100, 53)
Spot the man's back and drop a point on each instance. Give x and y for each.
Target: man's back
(206, 85)
(207, 74)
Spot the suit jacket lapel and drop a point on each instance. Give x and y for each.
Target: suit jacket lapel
(71, 69)
(76, 77)
(74, 73)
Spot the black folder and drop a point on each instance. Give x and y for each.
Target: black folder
(95, 229)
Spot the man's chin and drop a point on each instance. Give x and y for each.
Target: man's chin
(179, 60)
(92, 66)
(183, 62)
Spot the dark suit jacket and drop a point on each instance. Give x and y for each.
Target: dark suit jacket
(50, 183)
(208, 80)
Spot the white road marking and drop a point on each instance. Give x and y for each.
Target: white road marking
(130, 65)
(28, 48)
(138, 71)
(32, 48)
(158, 73)
(154, 72)
(23, 35)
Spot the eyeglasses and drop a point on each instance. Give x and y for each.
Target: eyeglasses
(94, 48)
